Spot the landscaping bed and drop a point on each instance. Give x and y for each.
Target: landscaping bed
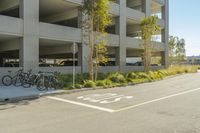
(123, 79)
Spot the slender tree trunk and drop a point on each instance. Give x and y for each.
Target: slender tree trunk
(147, 56)
(91, 49)
(96, 66)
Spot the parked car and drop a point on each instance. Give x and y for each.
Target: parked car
(11, 64)
(139, 63)
(68, 63)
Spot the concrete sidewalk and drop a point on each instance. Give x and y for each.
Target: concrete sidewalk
(12, 93)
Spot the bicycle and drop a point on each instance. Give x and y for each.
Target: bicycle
(38, 80)
(9, 80)
(52, 81)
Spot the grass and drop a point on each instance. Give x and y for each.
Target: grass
(120, 79)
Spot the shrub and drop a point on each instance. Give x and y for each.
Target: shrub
(117, 78)
(142, 75)
(138, 81)
(131, 75)
(100, 83)
(102, 76)
(78, 86)
(89, 84)
(109, 84)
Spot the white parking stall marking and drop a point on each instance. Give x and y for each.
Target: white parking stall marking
(156, 100)
(82, 104)
(104, 98)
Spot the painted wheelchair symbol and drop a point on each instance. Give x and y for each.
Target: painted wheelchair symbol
(104, 98)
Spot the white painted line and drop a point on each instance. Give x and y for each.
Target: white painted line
(82, 104)
(126, 108)
(156, 100)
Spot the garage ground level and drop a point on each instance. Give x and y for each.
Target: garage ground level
(168, 106)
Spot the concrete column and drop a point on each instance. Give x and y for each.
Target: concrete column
(117, 57)
(122, 33)
(147, 7)
(79, 18)
(163, 58)
(79, 55)
(1, 61)
(117, 25)
(165, 31)
(83, 47)
(84, 58)
(29, 45)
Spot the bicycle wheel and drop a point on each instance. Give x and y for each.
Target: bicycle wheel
(7, 80)
(17, 81)
(41, 86)
(58, 85)
(27, 82)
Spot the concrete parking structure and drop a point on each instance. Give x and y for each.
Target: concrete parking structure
(37, 34)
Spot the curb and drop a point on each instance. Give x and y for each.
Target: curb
(20, 98)
(36, 96)
(58, 92)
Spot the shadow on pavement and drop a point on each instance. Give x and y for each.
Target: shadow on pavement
(13, 104)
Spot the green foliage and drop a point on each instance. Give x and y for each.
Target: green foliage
(101, 56)
(117, 78)
(109, 84)
(89, 84)
(131, 75)
(149, 27)
(177, 51)
(96, 18)
(142, 75)
(139, 81)
(100, 83)
(78, 86)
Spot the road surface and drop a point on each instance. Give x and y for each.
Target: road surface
(168, 106)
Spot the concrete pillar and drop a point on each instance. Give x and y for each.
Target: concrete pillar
(147, 7)
(79, 55)
(117, 25)
(122, 33)
(79, 18)
(84, 58)
(29, 45)
(163, 58)
(1, 61)
(83, 47)
(165, 31)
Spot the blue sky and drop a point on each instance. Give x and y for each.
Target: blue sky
(185, 23)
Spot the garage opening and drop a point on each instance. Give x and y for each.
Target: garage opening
(9, 51)
(58, 53)
(59, 12)
(9, 8)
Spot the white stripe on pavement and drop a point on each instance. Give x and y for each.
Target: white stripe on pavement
(156, 100)
(125, 108)
(82, 104)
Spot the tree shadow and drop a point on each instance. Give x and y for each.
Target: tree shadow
(13, 104)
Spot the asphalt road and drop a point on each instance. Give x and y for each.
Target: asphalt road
(168, 106)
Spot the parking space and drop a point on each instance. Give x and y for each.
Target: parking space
(125, 98)
(167, 106)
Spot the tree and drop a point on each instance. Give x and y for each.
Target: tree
(172, 45)
(177, 50)
(96, 18)
(180, 50)
(101, 57)
(149, 27)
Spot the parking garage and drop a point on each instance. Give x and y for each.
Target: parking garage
(56, 25)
